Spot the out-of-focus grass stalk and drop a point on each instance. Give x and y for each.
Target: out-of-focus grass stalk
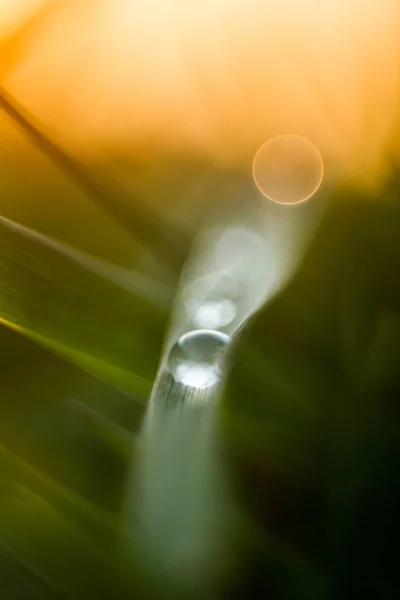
(100, 317)
(164, 240)
(178, 489)
(179, 495)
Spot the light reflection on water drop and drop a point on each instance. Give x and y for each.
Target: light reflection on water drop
(211, 301)
(239, 251)
(217, 285)
(211, 313)
(195, 359)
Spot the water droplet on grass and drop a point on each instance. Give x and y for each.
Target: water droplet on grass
(195, 359)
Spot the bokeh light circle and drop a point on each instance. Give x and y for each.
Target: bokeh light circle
(288, 169)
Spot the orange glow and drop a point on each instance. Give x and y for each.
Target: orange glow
(13, 13)
(216, 78)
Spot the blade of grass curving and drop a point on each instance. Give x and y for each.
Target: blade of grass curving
(179, 496)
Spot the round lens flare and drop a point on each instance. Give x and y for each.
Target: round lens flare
(212, 313)
(288, 169)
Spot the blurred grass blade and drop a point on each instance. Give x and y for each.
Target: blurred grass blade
(104, 320)
(88, 517)
(52, 548)
(42, 247)
(98, 426)
(13, 42)
(15, 576)
(163, 239)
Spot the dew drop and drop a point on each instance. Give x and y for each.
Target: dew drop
(195, 359)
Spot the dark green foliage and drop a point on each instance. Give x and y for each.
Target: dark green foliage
(318, 375)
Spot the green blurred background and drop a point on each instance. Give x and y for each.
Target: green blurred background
(309, 421)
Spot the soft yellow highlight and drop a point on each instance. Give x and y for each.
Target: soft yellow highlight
(13, 13)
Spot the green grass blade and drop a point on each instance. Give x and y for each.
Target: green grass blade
(108, 321)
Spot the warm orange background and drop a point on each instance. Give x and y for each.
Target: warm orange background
(214, 78)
